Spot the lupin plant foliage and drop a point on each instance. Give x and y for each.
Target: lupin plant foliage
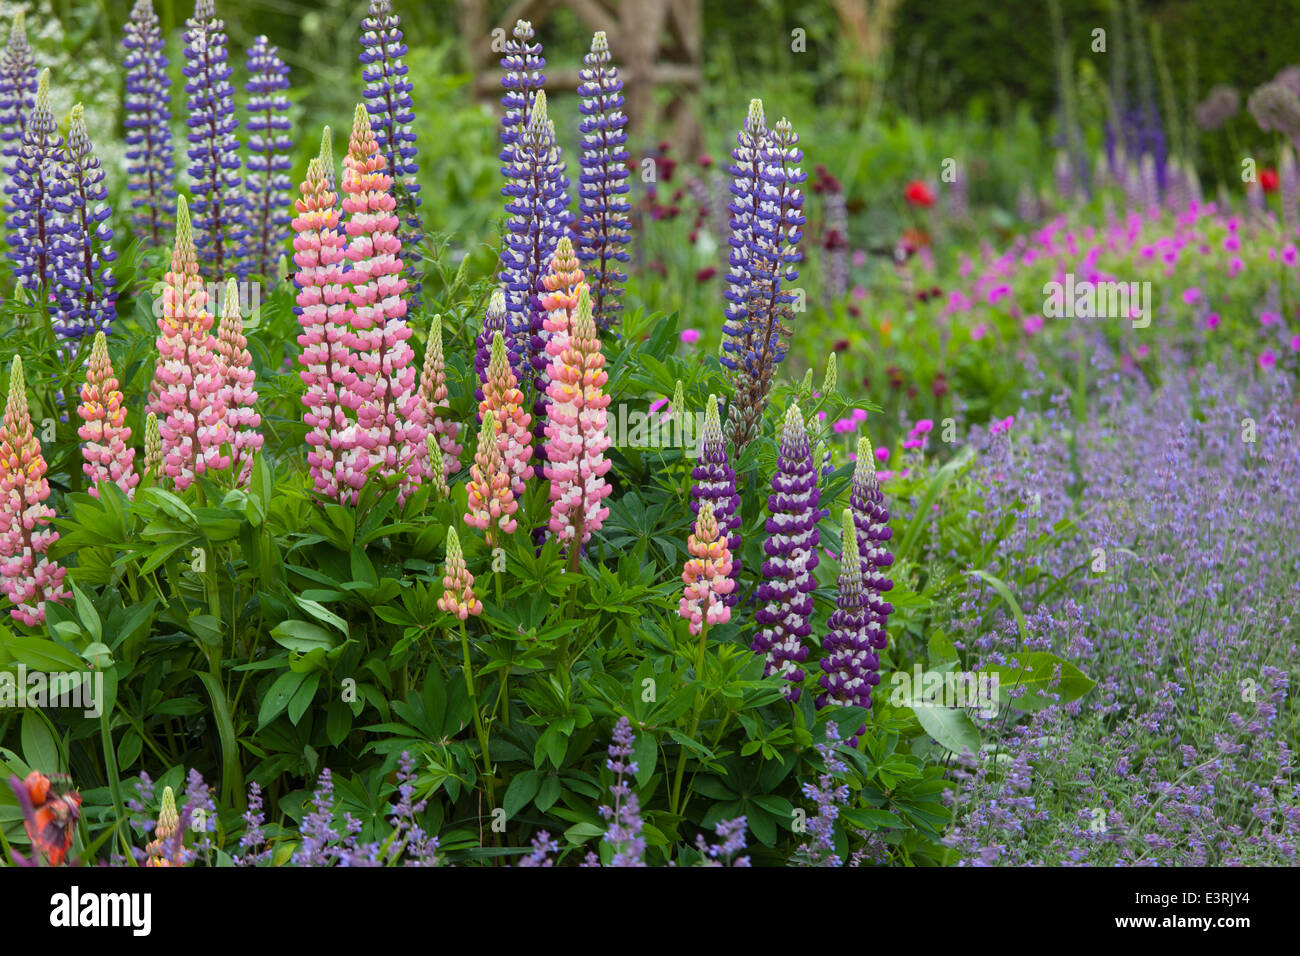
(147, 108)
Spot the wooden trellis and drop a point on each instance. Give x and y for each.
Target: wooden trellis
(655, 44)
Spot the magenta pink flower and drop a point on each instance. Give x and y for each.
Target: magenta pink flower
(1267, 359)
(1192, 296)
(106, 438)
(1295, 343)
(882, 454)
(1212, 321)
(690, 336)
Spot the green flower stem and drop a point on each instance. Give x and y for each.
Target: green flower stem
(696, 710)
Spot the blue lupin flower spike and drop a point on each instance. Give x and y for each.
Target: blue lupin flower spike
(17, 90)
(147, 106)
(32, 223)
(267, 186)
(83, 248)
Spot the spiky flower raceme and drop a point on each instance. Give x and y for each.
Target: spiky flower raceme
(105, 435)
(87, 300)
(785, 617)
(603, 209)
(434, 412)
(327, 159)
(28, 578)
(707, 574)
(849, 669)
(238, 395)
(747, 188)
(32, 223)
(214, 149)
(523, 63)
(153, 458)
(558, 300)
(267, 183)
(188, 379)
(387, 407)
(576, 427)
(715, 485)
(388, 98)
(147, 108)
(438, 479)
(166, 849)
(458, 597)
(17, 90)
(503, 404)
(324, 314)
(871, 519)
(491, 503)
(496, 319)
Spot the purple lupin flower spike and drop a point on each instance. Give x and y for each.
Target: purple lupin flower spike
(523, 63)
(17, 90)
(87, 301)
(267, 184)
(715, 482)
(849, 669)
(746, 187)
(785, 618)
(603, 210)
(871, 519)
(147, 106)
(32, 223)
(496, 319)
(217, 203)
(388, 101)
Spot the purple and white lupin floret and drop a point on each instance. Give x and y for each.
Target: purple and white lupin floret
(87, 301)
(217, 205)
(17, 90)
(32, 223)
(267, 186)
(850, 667)
(715, 482)
(603, 208)
(871, 519)
(785, 616)
(746, 191)
(523, 63)
(148, 120)
(777, 230)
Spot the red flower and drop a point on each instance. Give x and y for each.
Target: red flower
(918, 193)
(1268, 180)
(705, 274)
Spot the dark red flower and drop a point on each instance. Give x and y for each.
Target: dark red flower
(918, 193)
(840, 345)
(705, 274)
(1268, 180)
(706, 160)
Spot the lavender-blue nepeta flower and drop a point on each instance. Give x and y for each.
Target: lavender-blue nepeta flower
(17, 90)
(715, 482)
(829, 796)
(625, 825)
(32, 222)
(543, 847)
(785, 618)
(732, 836)
(87, 302)
(217, 205)
(603, 223)
(388, 101)
(147, 122)
(267, 185)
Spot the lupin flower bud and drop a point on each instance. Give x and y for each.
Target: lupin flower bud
(576, 425)
(87, 301)
(269, 143)
(147, 106)
(434, 412)
(871, 518)
(164, 849)
(849, 669)
(785, 617)
(153, 457)
(503, 403)
(327, 159)
(715, 485)
(438, 479)
(238, 396)
(458, 597)
(105, 435)
(828, 383)
(603, 208)
(677, 407)
(32, 222)
(491, 503)
(27, 577)
(707, 575)
(17, 90)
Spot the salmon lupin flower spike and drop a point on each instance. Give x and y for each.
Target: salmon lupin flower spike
(707, 574)
(106, 438)
(491, 504)
(433, 408)
(458, 597)
(503, 404)
(28, 578)
(238, 397)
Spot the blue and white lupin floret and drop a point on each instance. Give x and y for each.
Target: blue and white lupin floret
(266, 187)
(602, 205)
(86, 297)
(147, 108)
(32, 224)
(17, 89)
(522, 62)
(777, 231)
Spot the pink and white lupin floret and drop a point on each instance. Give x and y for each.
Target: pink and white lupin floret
(105, 436)
(388, 411)
(238, 396)
(433, 406)
(491, 504)
(503, 403)
(28, 578)
(707, 574)
(325, 314)
(458, 597)
(576, 427)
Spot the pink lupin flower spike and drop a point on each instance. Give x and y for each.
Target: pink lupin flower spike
(28, 578)
(576, 431)
(458, 598)
(106, 439)
(491, 502)
(433, 402)
(503, 403)
(707, 574)
(238, 397)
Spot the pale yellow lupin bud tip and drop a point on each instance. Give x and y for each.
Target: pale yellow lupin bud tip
(828, 384)
(849, 556)
(230, 307)
(453, 544)
(564, 248)
(866, 455)
(43, 86)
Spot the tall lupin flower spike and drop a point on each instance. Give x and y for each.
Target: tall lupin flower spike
(238, 395)
(785, 618)
(576, 427)
(388, 424)
(458, 594)
(147, 106)
(324, 313)
(523, 63)
(33, 223)
(433, 410)
(496, 319)
(17, 90)
(558, 299)
(27, 577)
(747, 188)
(87, 301)
(491, 503)
(267, 183)
(388, 98)
(214, 149)
(603, 208)
(105, 435)
(707, 575)
(715, 485)
(849, 669)
(503, 404)
(871, 518)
